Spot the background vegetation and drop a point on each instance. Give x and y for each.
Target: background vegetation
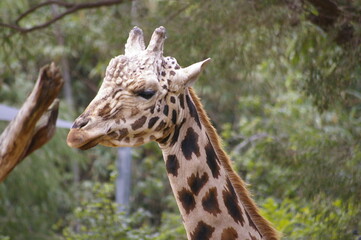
(283, 90)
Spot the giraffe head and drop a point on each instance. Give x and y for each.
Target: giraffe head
(138, 100)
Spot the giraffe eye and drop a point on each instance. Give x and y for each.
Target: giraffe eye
(146, 94)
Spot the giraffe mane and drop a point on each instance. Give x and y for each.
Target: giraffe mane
(263, 225)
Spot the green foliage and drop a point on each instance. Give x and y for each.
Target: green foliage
(150, 182)
(296, 220)
(172, 227)
(98, 217)
(301, 163)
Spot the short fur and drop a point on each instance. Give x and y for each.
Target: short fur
(264, 226)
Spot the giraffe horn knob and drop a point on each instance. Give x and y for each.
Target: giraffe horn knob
(157, 40)
(135, 42)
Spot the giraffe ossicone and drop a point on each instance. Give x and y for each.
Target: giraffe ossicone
(147, 97)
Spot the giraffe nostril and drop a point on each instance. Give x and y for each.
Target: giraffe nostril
(81, 123)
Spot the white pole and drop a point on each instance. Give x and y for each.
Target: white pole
(123, 182)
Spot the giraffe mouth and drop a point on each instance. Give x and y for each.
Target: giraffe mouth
(81, 140)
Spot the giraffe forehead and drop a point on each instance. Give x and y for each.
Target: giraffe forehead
(123, 69)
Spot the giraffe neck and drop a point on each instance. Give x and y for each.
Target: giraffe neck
(203, 182)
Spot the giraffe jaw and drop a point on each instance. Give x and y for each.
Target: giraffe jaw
(89, 145)
(80, 139)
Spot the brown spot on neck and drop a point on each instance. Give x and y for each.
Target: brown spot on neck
(193, 111)
(229, 234)
(152, 121)
(166, 110)
(187, 199)
(181, 100)
(190, 144)
(172, 99)
(203, 231)
(196, 183)
(139, 123)
(172, 165)
(210, 202)
(231, 202)
(176, 132)
(212, 160)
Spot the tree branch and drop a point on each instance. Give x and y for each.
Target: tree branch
(30, 10)
(179, 11)
(71, 8)
(34, 125)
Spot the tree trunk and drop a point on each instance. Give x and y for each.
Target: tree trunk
(34, 125)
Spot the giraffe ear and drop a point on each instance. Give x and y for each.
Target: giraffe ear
(187, 76)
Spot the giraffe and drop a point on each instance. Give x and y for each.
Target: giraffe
(147, 97)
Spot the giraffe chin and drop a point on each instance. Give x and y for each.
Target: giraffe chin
(89, 145)
(86, 145)
(77, 139)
